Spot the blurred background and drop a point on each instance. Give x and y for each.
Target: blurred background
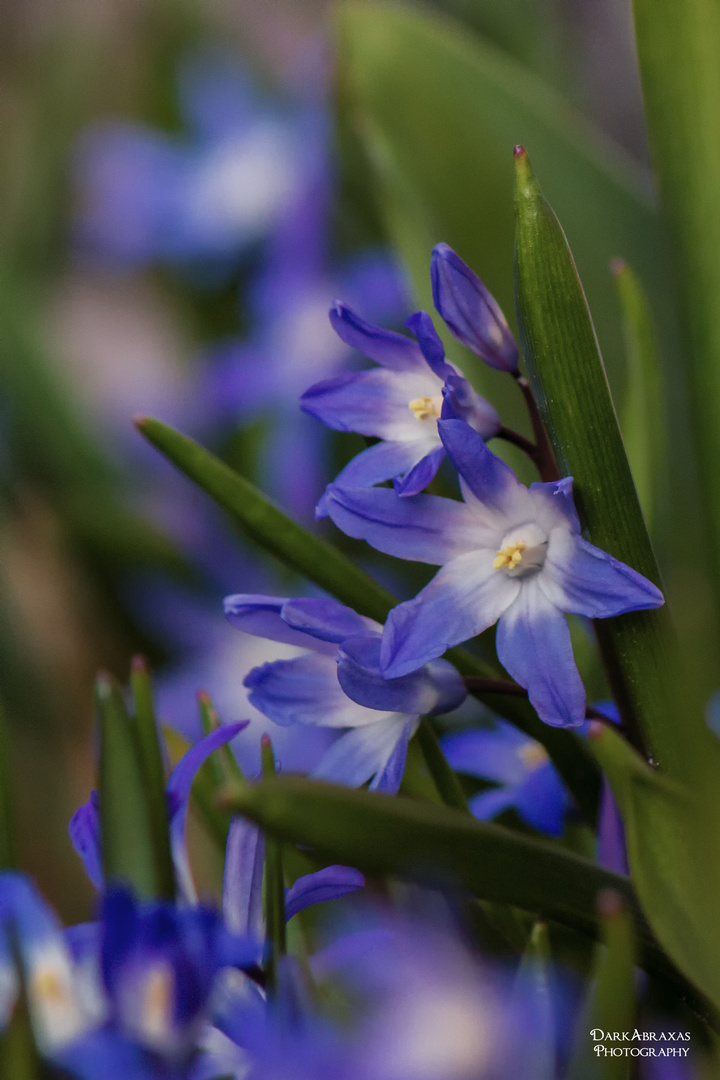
(184, 188)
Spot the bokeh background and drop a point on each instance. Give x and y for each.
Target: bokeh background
(185, 185)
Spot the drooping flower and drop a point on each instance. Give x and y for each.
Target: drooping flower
(509, 554)
(398, 402)
(527, 780)
(471, 311)
(338, 684)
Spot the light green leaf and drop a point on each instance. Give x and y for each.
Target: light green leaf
(671, 847)
(678, 47)
(642, 416)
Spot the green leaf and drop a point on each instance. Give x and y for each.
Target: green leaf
(437, 110)
(128, 849)
(341, 577)
(274, 883)
(678, 48)
(8, 854)
(642, 416)
(568, 379)
(153, 773)
(671, 845)
(268, 525)
(421, 840)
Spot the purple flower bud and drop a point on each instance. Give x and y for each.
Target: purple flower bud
(470, 310)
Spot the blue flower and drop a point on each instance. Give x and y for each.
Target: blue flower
(338, 684)
(527, 780)
(471, 312)
(147, 196)
(398, 402)
(509, 554)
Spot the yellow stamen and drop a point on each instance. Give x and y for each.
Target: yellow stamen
(509, 557)
(532, 755)
(47, 986)
(423, 408)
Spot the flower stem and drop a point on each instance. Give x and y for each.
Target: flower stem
(445, 779)
(543, 455)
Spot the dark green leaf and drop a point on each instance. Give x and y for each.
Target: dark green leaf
(153, 773)
(383, 835)
(568, 378)
(274, 883)
(128, 849)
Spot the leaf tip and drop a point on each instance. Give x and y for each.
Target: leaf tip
(610, 904)
(595, 729)
(618, 266)
(519, 152)
(139, 666)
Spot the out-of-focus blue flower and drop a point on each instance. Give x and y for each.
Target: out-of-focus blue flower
(470, 310)
(85, 823)
(398, 402)
(526, 778)
(510, 555)
(312, 689)
(146, 196)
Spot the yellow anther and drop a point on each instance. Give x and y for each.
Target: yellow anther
(423, 408)
(532, 755)
(47, 985)
(158, 1001)
(509, 557)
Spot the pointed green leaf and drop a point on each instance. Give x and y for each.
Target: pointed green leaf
(671, 846)
(274, 883)
(678, 47)
(268, 525)
(128, 849)
(568, 378)
(341, 577)
(642, 417)
(382, 835)
(153, 773)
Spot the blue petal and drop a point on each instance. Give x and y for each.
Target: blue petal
(488, 804)
(488, 478)
(470, 310)
(261, 616)
(584, 580)
(541, 800)
(331, 883)
(432, 347)
(388, 779)
(435, 688)
(464, 598)
(178, 792)
(461, 402)
(421, 474)
(84, 832)
(385, 461)
(384, 347)
(555, 504)
(325, 618)
(374, 403)
(305, 691)
(424, 528)
(362, 754)
(489, 753)
(108, 1055)
(533, 645)
(611, 845)
(243, 877)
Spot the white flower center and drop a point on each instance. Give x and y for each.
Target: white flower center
(522, 551)
(426, 408)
